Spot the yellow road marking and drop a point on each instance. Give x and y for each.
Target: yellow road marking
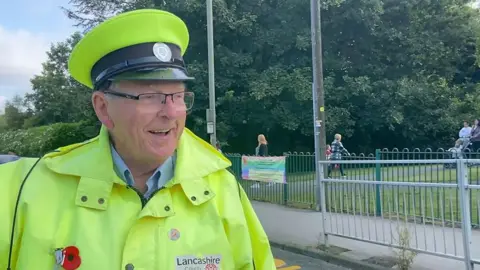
(279, 263)
(282, 265)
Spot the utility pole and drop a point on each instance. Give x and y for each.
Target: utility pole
(318, 96)
(211, 115)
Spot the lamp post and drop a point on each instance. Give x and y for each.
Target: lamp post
(211, 115)
(318, 96)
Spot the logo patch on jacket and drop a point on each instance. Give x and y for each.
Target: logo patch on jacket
(191, 262)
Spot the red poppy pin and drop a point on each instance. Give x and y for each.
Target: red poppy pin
(68, 258)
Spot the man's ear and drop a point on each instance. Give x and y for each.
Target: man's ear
(100, 105)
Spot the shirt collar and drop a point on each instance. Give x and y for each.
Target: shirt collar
(159, 178)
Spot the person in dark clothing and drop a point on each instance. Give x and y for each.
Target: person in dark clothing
(337, 152)
(262, 151)
(475, 136)
(219, 148)
(262, 148)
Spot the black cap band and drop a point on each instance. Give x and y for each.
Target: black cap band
(143, 56)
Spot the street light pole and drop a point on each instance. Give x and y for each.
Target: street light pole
(318, 96)
(211, 115)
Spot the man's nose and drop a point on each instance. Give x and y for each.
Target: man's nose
(169, 108)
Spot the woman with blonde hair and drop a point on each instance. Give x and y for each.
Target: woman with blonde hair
(338, 151)
(262, 151)
(262, 148)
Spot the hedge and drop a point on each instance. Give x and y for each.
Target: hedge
(35, 142)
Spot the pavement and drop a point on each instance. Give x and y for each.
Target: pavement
(286, 260)
(303, 229)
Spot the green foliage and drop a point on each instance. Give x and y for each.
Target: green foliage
(3, 123)
(37, 141)
(398, 73)
(56, 96)
(15, 114)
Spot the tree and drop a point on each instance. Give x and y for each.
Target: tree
(56, 96)
(3, 123)
(15, 113)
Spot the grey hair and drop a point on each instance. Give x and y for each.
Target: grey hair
(108, 87)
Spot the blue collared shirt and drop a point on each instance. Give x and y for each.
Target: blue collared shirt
(159, 178)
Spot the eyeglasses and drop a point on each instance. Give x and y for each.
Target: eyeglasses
(182, 100)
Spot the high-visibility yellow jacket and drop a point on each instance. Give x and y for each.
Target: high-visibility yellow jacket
(202, 219)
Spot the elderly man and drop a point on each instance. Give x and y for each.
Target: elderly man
(146, 193)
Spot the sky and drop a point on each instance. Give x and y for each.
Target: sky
(27, 29)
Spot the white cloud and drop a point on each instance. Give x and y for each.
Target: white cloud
(22, 53)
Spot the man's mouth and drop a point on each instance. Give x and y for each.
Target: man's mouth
(160, 132)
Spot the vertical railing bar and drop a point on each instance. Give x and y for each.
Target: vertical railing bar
(462, 179)
(304, 180)
(478, 203)
(382, 212)
(354, 207)
(396, 206)
(422, 201)
(341, 205)
(406, 213)
(390, 219)
(323, 204)
(433, 220)
(457, 218)
(405, 207)
(415, 219)
(453, 226)
(470, 197)
(367, 202)
(443, 223)
(361, 211)
(347, 203)
(374, 211)
(330, 206)
(335, 207)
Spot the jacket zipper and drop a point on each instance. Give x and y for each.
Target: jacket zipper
(143, 200)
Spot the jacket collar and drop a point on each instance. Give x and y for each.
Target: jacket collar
(92, 159)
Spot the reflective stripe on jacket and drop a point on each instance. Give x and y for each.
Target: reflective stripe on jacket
(73, 197)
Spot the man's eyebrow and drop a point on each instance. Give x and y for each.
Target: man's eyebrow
(171, 89)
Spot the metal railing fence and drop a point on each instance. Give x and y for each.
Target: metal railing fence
(425, 201)
(421, 216)
(301, 183)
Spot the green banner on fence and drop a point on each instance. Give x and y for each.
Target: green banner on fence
(266, 169)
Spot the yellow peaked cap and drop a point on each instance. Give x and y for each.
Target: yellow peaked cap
(126, 29)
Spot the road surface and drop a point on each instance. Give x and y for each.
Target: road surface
(286, 260)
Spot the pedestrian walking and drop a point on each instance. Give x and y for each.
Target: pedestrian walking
(338, 151)
(262, 151)
(218, 147)
(475, 136)
(262, 147)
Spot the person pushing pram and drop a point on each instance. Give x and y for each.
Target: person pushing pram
(458, 151)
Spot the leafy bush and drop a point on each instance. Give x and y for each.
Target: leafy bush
(37, 141)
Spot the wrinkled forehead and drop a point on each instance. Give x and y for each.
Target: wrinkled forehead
(148, 86)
